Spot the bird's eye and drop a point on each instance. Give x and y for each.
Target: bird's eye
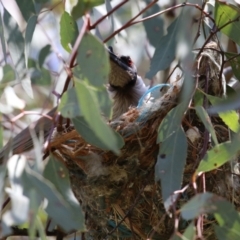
(127, 60)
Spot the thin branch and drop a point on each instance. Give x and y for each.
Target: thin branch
(130, 21)
(108, 14)
(172, 8)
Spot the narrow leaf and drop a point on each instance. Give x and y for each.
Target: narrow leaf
(68, 31)
(3, 40)
(171, 123)
(93, 61)
(20, 203)
(219, 155)
(45, 51)
(84, 6)
(154, 26)
(228, 220)
(171, 161)
(235, 63)
(230, 118)
(58, 175)
(202, 114)
(92, 115)
(224, 13)
(15, 42)
(166, 50)
(58, 208)
(27, 8)
(31, 24)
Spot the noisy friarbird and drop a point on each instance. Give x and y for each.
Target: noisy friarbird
(125, 87)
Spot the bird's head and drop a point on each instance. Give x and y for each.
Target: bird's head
(125, 86)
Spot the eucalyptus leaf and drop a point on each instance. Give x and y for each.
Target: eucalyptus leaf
(219, 155)
(83, 6)
(27, 8)
(91, 113)
(230, 118)
(69, 106)
(206, 120)
(199, 204)
(224, 13)
(2, 37)
(68, 31)
(171, 161)
(93, 61)
(58, 175)
(171, 123)
(15, 42)
(19, 202)
(58, 208)
(8, 74)
(45, 51)
(223, 105)
(235, 63)
(166, 50)
(229, 221)
(31, 24)
(154, 26)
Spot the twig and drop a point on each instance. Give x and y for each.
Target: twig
(130, 21)
(107, 14)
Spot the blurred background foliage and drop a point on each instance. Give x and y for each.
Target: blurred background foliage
(37, 43)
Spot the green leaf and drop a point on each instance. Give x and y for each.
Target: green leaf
(224, 13)
(68, 31)
(224, 212)
(8, 74)
(69, 106)
(199, 204)
(230, 118)
(235, 63)
(202, 114)
(190, 232)
(19, 202)
(35, 201)
(166, 50)
(154, 26)
(171, 161)
(31, 24)
(171, 123)
(104, 102)
(229, 221)
(219, 155)
(223, 233)
(15, 42)
(58, 207)
(41, 77)
(232, 102)
(198, 98)
(2, 181)
(85, 130)
(93, 60)
(58, 175)
(83, 6)
(3, 40)
(45, 51)
(92, 115)
(27, 8)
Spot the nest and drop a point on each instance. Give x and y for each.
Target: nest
(118, 194)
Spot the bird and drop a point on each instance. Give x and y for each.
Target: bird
(125, 87)
(125, 91)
